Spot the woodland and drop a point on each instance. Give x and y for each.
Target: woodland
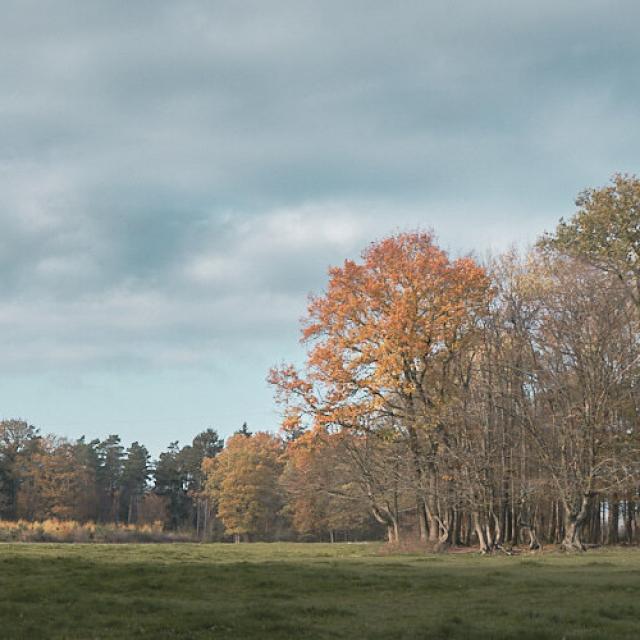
(443, 401)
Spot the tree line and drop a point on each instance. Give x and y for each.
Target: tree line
(45, 477)
(484, 403)
(442, 400)
(205, 489)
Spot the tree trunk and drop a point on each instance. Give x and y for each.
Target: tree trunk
(457, 529)
(421, 514)
(481, 531)
(573, 525)
(431, 505)
(534, 543)
(205, 517)
(614, 519)
(630, 520)
(393, 533)
(528, 523)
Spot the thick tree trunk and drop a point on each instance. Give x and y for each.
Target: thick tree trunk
(393, 533)
(444, 539)
(387, 517)
(484, 543)
(573, 523)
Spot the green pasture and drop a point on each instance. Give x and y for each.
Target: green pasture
(351, 591)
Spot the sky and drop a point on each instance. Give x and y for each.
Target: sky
(176, 178)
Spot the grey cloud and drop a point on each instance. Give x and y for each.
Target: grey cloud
(175, 177)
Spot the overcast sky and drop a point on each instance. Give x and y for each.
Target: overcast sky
(176, 177)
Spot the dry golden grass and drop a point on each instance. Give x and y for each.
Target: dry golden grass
(54, 530)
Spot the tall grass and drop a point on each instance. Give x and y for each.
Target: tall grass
(54, 530)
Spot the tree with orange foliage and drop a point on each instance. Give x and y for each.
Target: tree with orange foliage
(382, 342)
(243, 481)
(322, 497)
(58, 483)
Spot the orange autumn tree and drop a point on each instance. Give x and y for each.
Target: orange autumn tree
(382, 345)
(321, 495)
(243, 481)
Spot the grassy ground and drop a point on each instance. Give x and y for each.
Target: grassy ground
(267, 591)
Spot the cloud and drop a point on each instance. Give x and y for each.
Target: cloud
(175, 178)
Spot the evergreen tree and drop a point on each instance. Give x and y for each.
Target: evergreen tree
(135, 475)
(111, 457)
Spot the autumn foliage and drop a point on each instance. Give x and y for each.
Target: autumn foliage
(383, 332)
(319, 484)
(479, 399)
(383, 344)
(244, 482)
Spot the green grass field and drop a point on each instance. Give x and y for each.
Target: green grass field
(311, 591)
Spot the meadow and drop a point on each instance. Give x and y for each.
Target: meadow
(281, 590)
